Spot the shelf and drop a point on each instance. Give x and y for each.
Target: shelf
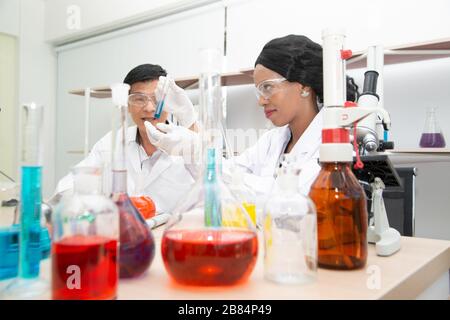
(99, 92)
(242, 77)
(393, 55)
(412, 156)
(75, 152)
(406, 53)
(436, 151)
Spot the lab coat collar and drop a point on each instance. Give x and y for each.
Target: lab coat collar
(133, 147)
(311, 137)
(132, 134)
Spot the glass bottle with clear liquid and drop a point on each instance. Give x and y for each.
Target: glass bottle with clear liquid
(85, 241)
(29, 284)
(137, 246)
(290, 230)
(210, 239)
(432, 136)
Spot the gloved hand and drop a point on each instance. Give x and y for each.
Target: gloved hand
(174, 140)
(177, 102)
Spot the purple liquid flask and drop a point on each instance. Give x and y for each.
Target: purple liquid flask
(432, 136)
(137, 246)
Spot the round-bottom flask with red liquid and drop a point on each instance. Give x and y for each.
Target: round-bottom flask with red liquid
(210, 246)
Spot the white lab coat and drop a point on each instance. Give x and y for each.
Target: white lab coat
(166, 181)
(261, 161)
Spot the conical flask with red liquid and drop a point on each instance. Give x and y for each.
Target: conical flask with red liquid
(137, 246)
(432, 136)
(210, 239)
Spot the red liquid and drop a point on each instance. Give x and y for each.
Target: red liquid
(209, 257)
(96, 258)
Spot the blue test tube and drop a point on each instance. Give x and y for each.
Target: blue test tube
(160, 104)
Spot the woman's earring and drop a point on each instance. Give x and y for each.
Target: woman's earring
(304, 93)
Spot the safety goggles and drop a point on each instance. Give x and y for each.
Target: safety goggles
(140, 100)
(268, 87)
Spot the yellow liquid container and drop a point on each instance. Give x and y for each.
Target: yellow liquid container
(234, 217)
(251, 210)
(243, 194)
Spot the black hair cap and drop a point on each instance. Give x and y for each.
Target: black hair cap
(144, 72)
(299, 59)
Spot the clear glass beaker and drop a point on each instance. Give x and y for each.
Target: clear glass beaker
(210, 239)
(432, 136)
(290, 230)
(85, 241)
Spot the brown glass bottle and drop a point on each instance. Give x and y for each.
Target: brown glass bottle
(341, 217)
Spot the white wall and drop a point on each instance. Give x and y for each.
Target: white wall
(252, 23)
(9, 31)
(36, 62)
(100, 15)
(10, 17)
(37, 78)
(8, 114)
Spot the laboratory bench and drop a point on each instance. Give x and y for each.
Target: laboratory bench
(420, 270)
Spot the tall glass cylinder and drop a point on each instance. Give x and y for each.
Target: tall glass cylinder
(212, 143)
(31, 157)
(31, 189)
(137, 247)
(210, 239)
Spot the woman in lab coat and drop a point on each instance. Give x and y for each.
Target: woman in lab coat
(288, 79)
(151, 172)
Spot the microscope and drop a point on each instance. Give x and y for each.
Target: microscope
(378, 172)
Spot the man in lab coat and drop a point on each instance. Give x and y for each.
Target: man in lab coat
(151, 172)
